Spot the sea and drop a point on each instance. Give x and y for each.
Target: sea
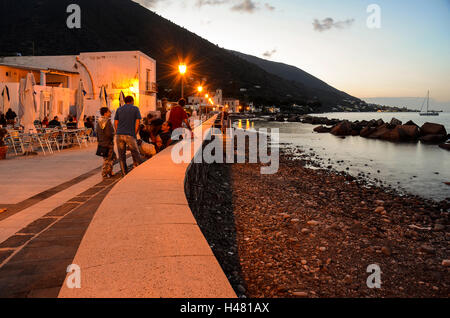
(413, 168)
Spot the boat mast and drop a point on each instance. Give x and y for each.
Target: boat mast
(428, 100)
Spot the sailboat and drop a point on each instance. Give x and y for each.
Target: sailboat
(428, 112)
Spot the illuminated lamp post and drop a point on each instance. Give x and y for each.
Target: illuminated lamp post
(182, 68)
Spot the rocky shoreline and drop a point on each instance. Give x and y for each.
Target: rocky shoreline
(313, 233)
(394, 131)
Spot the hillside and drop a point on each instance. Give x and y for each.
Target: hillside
(109, 25)
(312, 85)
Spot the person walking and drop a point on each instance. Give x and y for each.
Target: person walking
(105, 139)
(127, 122)
(178, 116)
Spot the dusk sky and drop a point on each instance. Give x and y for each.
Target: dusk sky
(330, 39)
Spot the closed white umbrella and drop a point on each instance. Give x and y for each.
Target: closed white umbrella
(121, 99)
(21, 110)
(5, 100)
(80, 105)
(29, 103)
(103, 97)
(42, 107)
(53, 105)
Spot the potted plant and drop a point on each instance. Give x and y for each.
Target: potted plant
(3, 147)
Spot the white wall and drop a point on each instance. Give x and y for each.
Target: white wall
(121, 71)
(117, 71)
(13, 95)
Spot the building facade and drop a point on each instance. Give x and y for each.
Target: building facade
(58, 78)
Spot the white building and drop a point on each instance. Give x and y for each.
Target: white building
(57, 78)
(202, 100)
(232, 104)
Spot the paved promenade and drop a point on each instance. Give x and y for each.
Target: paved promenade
(45, 221)
(145, 242)
(132, 237)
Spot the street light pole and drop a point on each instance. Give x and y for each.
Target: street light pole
(182, 86)
(182, 68)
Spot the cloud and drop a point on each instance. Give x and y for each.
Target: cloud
(269, 54)
(248, 6)
(201, 3)
(243, 6)
(269, 7)
(329, 23)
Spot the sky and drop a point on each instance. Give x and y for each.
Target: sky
(331, 39)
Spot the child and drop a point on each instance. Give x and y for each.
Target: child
(105, 137)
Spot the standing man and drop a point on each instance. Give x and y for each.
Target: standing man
(178, 116)
(127, 122)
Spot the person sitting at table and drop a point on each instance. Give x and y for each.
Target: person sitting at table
(155, 128)
(88, 123)
(54, 123)
(71, 124)
(11, 116)
(2, 120)
(44, 122)
(164, 138)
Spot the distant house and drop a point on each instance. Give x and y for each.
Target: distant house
(58, 78)
(232, 104)
(201, 100)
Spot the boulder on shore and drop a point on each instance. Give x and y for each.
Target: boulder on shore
(344, 128)
(408, 132)
(322, 129)
(445, 146)
(381, 130)
(379, 122)
(367, 131)
(401, 133)
(395, 122)
(433, 139)
(411, 123)
(432, 129)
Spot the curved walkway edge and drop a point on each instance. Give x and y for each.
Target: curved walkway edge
(145, 243)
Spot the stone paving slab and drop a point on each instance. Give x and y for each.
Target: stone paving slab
(35, 265)
(28, 175)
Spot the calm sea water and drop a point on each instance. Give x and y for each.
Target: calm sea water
(411, 167)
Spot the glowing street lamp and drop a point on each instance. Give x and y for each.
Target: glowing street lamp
(200, 90)
(182, 68)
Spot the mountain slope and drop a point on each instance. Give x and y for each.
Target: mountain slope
(114, 25)
(311, 84)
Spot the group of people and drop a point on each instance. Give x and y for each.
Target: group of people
(71, 122)
(155, 134)
(8, 119)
